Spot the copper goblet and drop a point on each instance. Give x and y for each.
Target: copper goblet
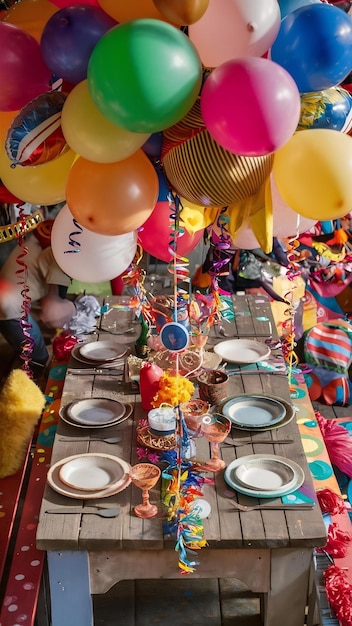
(145, 476)
(215, 428)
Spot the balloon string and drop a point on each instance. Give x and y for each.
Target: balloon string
(179, 266)
(28, 343)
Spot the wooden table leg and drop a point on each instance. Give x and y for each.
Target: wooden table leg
(71, 602)
(287, 598)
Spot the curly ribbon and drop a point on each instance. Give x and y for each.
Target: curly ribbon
(27, 344)
(339, 593)
(179, 266)
(288, 340)
(74, 243)
(20, 228)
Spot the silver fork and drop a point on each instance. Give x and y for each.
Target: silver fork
(246, 442)
(304, 506)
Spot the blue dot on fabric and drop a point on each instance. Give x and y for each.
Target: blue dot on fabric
(320, 470)
(58, 372)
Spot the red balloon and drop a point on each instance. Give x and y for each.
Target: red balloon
(24, 74)
(155, 235)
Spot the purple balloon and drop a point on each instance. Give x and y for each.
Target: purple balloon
(24, 75)
(69, 37)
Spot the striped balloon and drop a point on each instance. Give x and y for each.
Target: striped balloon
(201, 171)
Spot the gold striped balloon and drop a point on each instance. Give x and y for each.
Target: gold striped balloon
(202, 171)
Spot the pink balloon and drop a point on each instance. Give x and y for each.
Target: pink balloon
(231, 29)
(24, 75)
(155, 234)
(250, 106)
(245, 239)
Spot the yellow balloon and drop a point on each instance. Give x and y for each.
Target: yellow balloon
(313, 173)
(91, 135)
(31, 16)
(43, 184)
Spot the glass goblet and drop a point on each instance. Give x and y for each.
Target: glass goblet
(145, 476)
(215, 428)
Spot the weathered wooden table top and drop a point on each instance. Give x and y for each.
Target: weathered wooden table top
(226, 527)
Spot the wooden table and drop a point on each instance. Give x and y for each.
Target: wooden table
(270, 551)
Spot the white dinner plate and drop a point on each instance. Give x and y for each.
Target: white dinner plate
(91, 472)
(96, 411)
(63, 412)
(55, 482)
(269, 474)
(101, 351)
(256, 410)
(242, 351)
(290, 413)
(279, 482)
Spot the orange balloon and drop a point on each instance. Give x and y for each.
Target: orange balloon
(123, 11)
(112, 198)
(31, 16)
(182, 12)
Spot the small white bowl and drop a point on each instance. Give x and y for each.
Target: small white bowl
(162, 421)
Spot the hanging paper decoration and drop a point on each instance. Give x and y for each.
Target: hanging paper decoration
(35, 136)
(339, 593)
(288, 339)
(20, 228)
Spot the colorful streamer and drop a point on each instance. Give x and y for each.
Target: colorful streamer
(27, 344)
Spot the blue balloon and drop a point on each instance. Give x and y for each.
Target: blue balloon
(288, 6)
(152, 147)
(314, 45)
(69, 37)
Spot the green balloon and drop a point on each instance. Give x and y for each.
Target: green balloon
(144, 75)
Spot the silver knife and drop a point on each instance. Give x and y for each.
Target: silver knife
(94, 372)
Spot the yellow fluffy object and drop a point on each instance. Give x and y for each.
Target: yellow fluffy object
(21, 405)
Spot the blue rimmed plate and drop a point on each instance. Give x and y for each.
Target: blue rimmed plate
(254, 411)
(265, 475)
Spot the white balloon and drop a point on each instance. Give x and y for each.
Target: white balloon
(235, 28)
(286, 222)
(87, 256)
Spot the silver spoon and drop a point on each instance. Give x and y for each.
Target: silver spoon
(105, 440)
(87, 511)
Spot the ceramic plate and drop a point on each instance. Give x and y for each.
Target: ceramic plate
(242, 351)
(274, 476)
(269, 474)
(78, 357)
(256, 411)
(92, 472)
(101, 351)
(290, 413)
(96, 411)
(63, 412)
(55, 482)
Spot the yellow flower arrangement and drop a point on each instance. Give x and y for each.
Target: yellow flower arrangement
(173, 390)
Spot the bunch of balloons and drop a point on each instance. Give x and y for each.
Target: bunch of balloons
(242, 96)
